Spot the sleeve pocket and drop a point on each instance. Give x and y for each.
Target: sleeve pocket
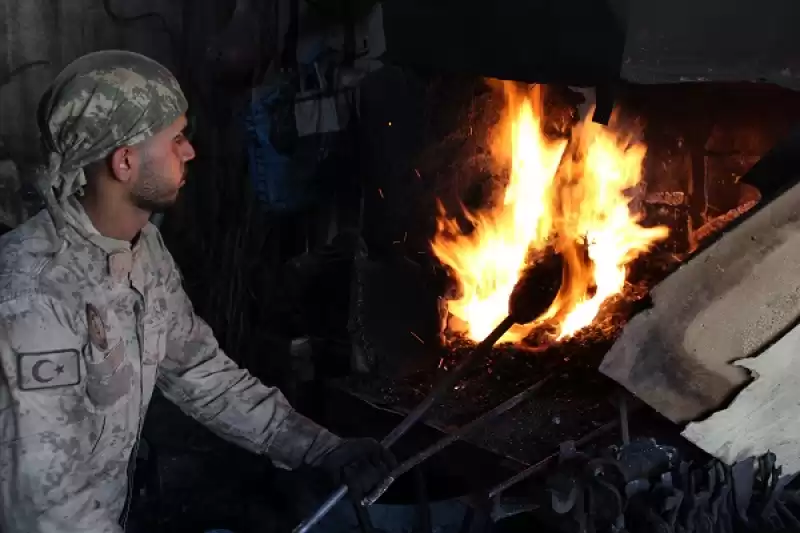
(109, 376)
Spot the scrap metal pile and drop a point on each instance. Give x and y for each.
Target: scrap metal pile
(646, 487)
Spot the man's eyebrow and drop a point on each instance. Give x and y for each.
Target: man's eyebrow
(182, 130)
(189, 129)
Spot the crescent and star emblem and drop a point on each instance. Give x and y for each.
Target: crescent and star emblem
(56, 371)
(50, 370)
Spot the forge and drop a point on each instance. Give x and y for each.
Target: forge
(714, 153)
(718, 145)
(370, 180)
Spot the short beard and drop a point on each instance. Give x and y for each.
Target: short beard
(148, 193)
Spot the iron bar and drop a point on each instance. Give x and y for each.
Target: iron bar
(439, 390)
(451, 438)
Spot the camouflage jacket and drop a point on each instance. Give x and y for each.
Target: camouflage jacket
(87, 330)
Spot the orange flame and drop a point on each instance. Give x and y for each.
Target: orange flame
(568, 195)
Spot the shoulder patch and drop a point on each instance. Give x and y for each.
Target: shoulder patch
(97, 328)
(48, 370)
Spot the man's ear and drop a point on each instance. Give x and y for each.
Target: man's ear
(123, 163)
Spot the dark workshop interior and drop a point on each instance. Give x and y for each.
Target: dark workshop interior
(344, 150)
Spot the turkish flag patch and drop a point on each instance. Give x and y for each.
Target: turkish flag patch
(48, 370)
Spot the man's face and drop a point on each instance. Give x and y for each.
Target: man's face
(162, 168)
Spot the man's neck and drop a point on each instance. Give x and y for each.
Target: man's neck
(117, 220)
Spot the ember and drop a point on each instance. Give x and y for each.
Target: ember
(567, 196)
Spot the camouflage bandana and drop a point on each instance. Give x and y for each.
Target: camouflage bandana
(100, 102)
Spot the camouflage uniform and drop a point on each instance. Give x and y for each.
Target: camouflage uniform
(89, 325)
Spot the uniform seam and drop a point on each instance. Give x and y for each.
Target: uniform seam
(11, 275)
(270, 440)
(41, 264)
(30, 294)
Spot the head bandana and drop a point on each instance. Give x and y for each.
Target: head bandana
(100, 102)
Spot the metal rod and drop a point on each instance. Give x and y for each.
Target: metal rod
(535, 468)
(449, 381)
(440, 389)
(442, 443)
(623, 417)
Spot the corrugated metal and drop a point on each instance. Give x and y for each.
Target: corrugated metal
(60, 31)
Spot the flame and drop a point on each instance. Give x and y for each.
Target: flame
(567, 195)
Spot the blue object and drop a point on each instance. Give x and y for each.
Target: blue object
(283, 168)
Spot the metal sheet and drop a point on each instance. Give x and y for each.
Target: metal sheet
(725, 304)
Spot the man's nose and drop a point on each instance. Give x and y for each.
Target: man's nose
(188, 152)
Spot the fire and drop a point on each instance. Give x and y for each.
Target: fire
(569, 195)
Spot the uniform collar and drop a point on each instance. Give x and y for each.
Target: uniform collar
(122, 258)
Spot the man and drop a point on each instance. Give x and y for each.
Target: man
(93, 315)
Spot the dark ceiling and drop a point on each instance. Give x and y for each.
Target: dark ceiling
(590, 42)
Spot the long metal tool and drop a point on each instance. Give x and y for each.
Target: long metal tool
(440, 389)
(451, 438)
(541, 465)
(589, 437)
